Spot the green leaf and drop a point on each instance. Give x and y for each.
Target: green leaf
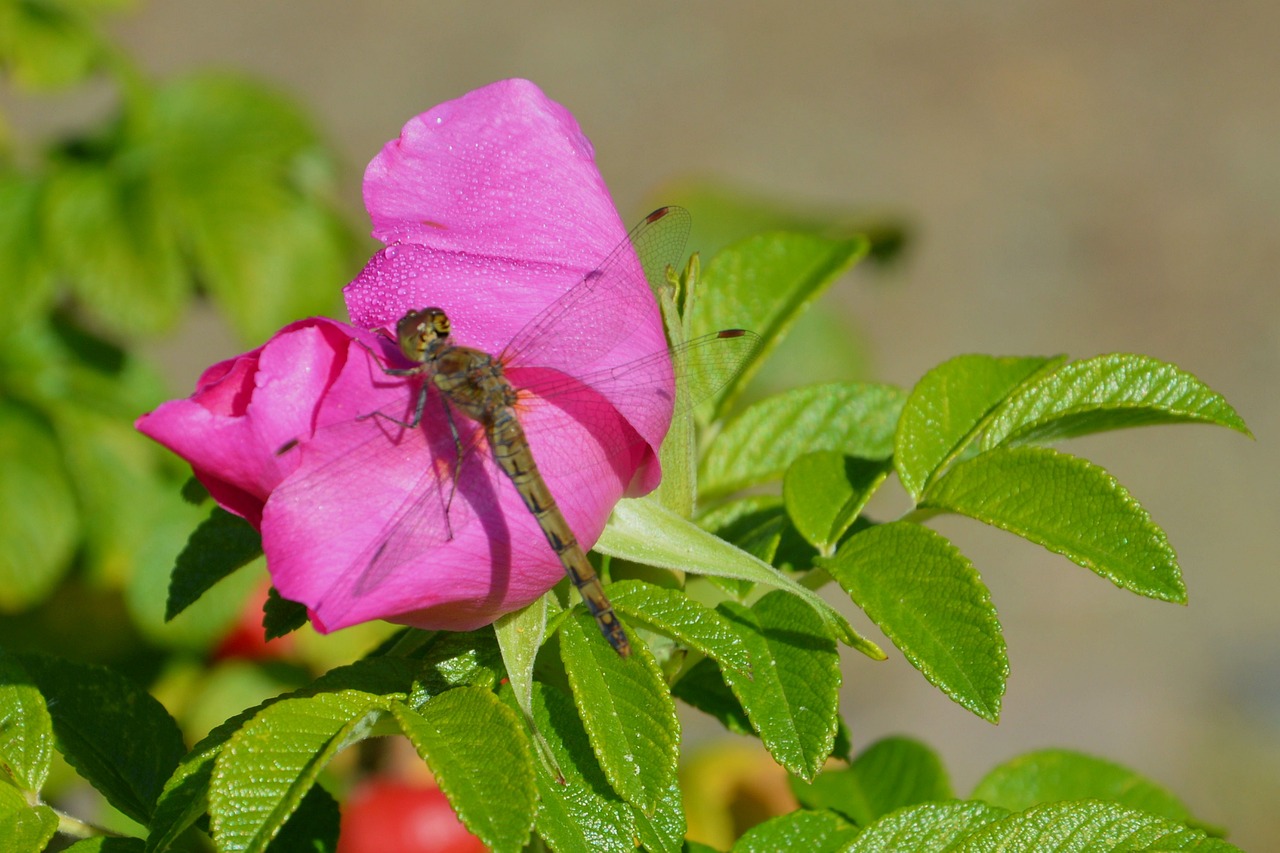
(759, 525)
(756, 524)
(929, 600)
(898, 772)
(702, 686)
(263, 770)
(948, 406)
(26, 280)
(888, 775)
(24, 826)
(103, 844)
(577, 811)
(812, 832)
(1105, 393)
(1086, 825)
(644, 532)
(47, 45)
(40, 523)
(221, 544)
(758, 445)
(481, 759)
(280, 616)
(929, 828)
(186, 794)
(26, 730)
(671, 612)
(839, 791)
(1071, 507)
(520, 635)
(763, 283)
(662, 830)
(792, 695)
(458, 659)
(627, 711)
(115, 734)
(247, 181)
(1050, 775)
(114, 242)
(313, 828)
(824, 493)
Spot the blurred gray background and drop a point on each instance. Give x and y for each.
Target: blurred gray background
(1081, 178)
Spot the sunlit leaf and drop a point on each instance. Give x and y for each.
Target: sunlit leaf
(1070, 506)
(758, 445)
(763, 283)
(265, 769)
(1071, 826)
(26, 730)
(928, 828)
(798, 652)
(947, 407)
(247, 181)
(482, 760)
(927, 597)
(627, 711)
(825, 491)
(1105, 393)
(579, 811)
(26, 279)
(23, 826)
(819, 832)
(115, 245)
(671, 612)
(644, 532)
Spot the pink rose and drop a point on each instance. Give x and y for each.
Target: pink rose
(492, 210)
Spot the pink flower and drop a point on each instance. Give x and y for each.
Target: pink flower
(492, 210)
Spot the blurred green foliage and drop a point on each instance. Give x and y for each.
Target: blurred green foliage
(207, 191)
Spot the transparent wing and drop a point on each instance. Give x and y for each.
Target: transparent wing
(393, 481)
(700, 367)
(609, 304)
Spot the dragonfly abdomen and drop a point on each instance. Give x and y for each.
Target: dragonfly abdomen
(511, 451)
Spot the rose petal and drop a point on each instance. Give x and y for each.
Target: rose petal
(502, 172)
(245, 409)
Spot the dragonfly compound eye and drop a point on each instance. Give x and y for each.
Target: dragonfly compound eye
(440, 323)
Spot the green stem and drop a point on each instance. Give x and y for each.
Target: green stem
(76, 828)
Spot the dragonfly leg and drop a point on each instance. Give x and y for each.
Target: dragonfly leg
(457, 463)
(418, 409)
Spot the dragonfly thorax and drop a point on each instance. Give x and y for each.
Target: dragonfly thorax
(417, 331)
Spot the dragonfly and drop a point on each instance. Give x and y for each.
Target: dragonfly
(589, 321)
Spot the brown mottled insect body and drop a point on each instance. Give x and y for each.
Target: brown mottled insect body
(472, 381)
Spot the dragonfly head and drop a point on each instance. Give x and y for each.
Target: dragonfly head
(418, 330)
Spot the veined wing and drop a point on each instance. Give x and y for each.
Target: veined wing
(612, 309)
